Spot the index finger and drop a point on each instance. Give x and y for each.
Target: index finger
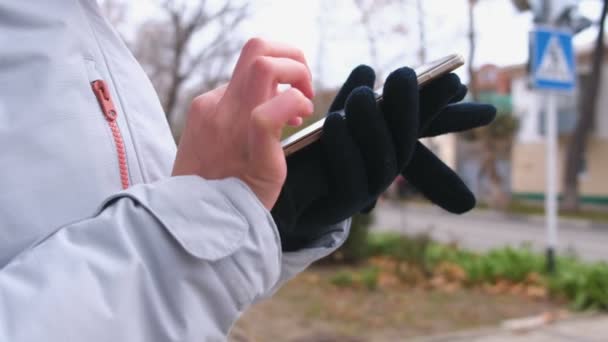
(256, 47)
(269, 71)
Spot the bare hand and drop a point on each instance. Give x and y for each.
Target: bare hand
(235, 130)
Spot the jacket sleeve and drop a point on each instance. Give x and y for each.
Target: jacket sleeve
(176, 260)
(293, 263)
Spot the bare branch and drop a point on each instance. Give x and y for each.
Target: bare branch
(179, 53)
(373, 19)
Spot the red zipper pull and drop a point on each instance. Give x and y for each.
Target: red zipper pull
(102, 92)
(100, 88)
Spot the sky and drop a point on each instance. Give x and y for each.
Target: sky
(501, 38)
(332, 40)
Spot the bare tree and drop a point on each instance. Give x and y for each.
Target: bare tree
(378, 27)
(322, 55)
(190, 49)
(421, 32)
(488, 157)
(522, 5)
(494, 140)
(472, 48)
(588, 107)
(367, 10)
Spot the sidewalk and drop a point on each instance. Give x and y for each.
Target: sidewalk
(540, 219)
(487, 213)
(584, 328)
(484, 230)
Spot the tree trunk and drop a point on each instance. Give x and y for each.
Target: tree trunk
(421, 33)
(175, 80)
(588, 103)
(494, 195)
(472, 46)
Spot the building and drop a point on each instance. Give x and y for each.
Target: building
(528, 152)
(487, 169)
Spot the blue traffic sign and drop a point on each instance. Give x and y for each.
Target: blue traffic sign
(553, 60)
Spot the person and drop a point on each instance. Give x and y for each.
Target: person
(110, 233)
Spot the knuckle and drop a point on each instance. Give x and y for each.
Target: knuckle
(203, 108)
(295, 93)
(300, 101)
(260, 119)
(261, 66)
(299, 54)
(303, 72)
(253, 45)
(200, 103)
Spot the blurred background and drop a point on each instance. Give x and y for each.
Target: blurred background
(410, 270)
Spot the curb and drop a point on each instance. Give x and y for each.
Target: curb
(536, 219)
(466, 335)
(497, 330)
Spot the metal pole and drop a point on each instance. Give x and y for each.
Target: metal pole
(546, 9)
(551, 181)
(421, 33)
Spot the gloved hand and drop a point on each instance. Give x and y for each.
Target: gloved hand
(427, 173)
(359, 156)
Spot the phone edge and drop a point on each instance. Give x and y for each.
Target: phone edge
(311, 133)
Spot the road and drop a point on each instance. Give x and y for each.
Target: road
(483, 230)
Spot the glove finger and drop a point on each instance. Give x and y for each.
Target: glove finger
(437, 182)
(460, 117)
(436, 95)
(346, 174)
(294, 198)
(368, 209)
(400, 107)
(362, 75)
(373, 139)
(460, 94)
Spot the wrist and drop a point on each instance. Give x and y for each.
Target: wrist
(267, 192)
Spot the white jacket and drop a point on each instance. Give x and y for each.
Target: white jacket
(168, 259)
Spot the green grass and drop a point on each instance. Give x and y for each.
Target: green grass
(342, 278)
(366, 277)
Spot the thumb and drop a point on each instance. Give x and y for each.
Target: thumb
(268, 165)
(269, 118)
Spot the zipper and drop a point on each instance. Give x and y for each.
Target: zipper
(102, 92)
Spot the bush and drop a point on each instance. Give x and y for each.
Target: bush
(369, 277)
(342, 279)
(584, 285)
(355, 248)
(413, 251)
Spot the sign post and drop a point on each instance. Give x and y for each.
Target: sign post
(551, 180)
(553, 71)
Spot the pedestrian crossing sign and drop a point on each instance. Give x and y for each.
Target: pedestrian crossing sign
(553, 61)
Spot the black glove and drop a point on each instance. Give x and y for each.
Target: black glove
(360, 155)
(356, 159)
(439, 114)
(427, 173)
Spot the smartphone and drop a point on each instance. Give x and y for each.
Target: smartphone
(425, 73)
